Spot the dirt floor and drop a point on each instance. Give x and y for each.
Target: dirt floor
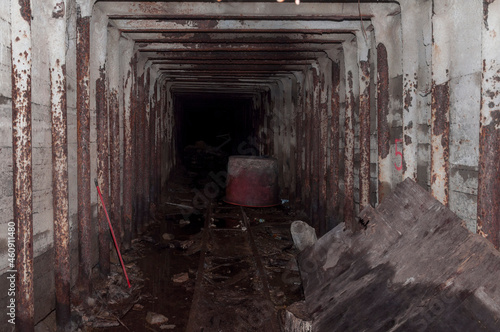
(202, 265)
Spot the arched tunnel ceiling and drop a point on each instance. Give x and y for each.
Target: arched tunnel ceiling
(198, 41)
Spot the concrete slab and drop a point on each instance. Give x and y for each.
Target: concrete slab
(415, 267)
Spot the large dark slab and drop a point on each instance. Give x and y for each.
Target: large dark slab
(415, 268)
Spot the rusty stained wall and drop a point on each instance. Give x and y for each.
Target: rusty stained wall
(288, 121)
(465, 95)
(42, 151)
(456, 90)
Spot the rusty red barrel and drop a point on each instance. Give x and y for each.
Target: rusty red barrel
(252, 181)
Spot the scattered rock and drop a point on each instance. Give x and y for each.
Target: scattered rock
(297, 318)
(292, 265)
(181, 277)
(137, 307)
(303, 235)
(113, 259)
(148, 239)
(104, 322)
(117, 293)
(183, 222)
(90, 301)
(186, 244)
(167, 327)
(168, 237)
(154, 318)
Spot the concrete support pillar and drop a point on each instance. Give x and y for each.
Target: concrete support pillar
(333, 191)
(387, 29)
(83, 147)
(411, 43)
(152, 139)
(286, 116)
(22, 162)
(383, 130)
(325, 83)
(160, 100)
(300, 138)
(315, 149)
(307, 120)
(134, 144)
(167, 150)
(113, 76)
(268, 143)
(57, 71)
(140, 153)
(292, 136)
(98, 70)
(352, 92)
(147, 144)
(440, 107)
(277, 127)
(488, 211)
(364, 45)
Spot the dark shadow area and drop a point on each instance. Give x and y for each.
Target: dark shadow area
(365, 299)
(210, 128)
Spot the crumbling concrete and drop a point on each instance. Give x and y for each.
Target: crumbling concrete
(416, 268)
(430, 100)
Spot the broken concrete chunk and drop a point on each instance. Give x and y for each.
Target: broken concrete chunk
(168, 237)
(154, 318)
(137, 307)
(103, 322)
(414, 268)
(183, 222)
(303, 235)
(297, 319)
(180, 277)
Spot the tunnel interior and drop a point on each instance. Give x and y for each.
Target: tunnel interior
(149, 99)
(217, 123)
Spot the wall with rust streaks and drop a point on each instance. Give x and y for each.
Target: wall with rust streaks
(327, 103)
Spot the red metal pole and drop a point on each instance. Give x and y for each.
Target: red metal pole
(112, 233)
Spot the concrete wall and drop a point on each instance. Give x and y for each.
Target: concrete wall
(429, 42)
(465, 100)
(42, 154)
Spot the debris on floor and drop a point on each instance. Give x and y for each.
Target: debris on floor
(111, 299)
(154, 318)
(180, 278)
(245, 277)
(226, 268)
(296, 318)
(414, 268)
(168, 237)
(303, 235)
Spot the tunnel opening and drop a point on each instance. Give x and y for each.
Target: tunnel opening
(211, 127)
